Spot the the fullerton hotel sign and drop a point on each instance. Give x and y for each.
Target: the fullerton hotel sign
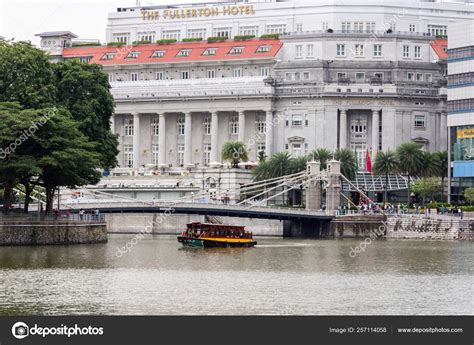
(183, 13)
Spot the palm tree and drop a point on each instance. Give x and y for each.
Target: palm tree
(322, 155)
(279, 164)
(262, 171)
(430, 164)
(348, 162)
(443, 166)
(297, 164)
(386, 163)
(410, 161)
(235, 152)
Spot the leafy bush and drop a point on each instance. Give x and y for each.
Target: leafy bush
(167, 41)
(467, 208)
(438, 204)
(270, 36)
(141, 42)
(216, 39)
(243, 37)
(196, 39)
(115, 44)
(85, 44)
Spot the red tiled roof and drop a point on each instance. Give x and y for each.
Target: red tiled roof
(439, 46)
(171, 50)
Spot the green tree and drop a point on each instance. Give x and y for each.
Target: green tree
(279, 164)
(235, 152)
(26, 75)
(322, 156)
(297, 164)
(469, 194)
(410, 161)
(85, 91)
(427, 187)
(442, 167)
(430, 164)
(386, 163)
(348, 162)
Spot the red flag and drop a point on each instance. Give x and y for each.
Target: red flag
(368, 162)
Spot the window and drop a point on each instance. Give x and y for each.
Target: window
(359, 50)
(305, 75)
(299, 27)
(263, 49)
(437, 30)
(264, 71)
(299, 51)
(341, 75)
(412, 27)
(261, 148)
(133, 55)
(359, 127)
(234, 125)
(222, 32)
(128, 128)
(248, 30)
(128, 155)
(209, 52)
(370, 27)
(288, 76)
(378, 76)
(346, 27)
(419, 77)
(260, 125)
(237, 73)
(211, 73)
(377, 50)
(406, 51)
(410, 76)
(296, 149)
(429, 77)
(297, 76)
(419, 121)
(275, 29)
(134, 76)
(111, 77)
(121, 37)
(158, 54)
(185, 75)
(417, 53)
(171, 35)
(207, 125)
(236, 50)
(146, 36)
(155, 126)
(340, 50)
(306, 120)
(360, 77)
(196, 33)
(184, 53)
(358, 27)
(154, 154)
(85, 59)
(310, 50)
(296, 120)
(180, 154)
(206, 157)
(325, 26)
(108, 56)
(160, 75)
(181, 124)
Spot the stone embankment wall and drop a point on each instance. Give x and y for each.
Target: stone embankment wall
(172, 224)
(61, 233)
(354, 226)
(434, 228)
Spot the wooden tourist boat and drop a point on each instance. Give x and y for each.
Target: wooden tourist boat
(216, 235)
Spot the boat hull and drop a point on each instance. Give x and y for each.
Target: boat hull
(215, 243)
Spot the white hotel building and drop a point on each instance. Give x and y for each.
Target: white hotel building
(344, 74)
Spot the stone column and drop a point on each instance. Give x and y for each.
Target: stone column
(136, 140)
(269, 134)
(215, 150)
(375, 132)
(313, 190)
(162, 141)
(333, 191)
(343, 129)
(188, 147)
(242, 126)
(112, 123)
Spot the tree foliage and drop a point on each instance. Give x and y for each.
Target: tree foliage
(235, 152)
(469, 194)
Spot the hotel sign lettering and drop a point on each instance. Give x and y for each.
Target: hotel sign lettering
(465, 133)
(183, 13)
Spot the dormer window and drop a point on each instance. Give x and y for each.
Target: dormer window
(158, 54)
(133, 55)
(263, 49)
(210, 52)
(108, 56)
(236, 50)
(184, 53)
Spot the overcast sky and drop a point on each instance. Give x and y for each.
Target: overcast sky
(22, 19)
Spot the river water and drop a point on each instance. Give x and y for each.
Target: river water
(278, 277)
